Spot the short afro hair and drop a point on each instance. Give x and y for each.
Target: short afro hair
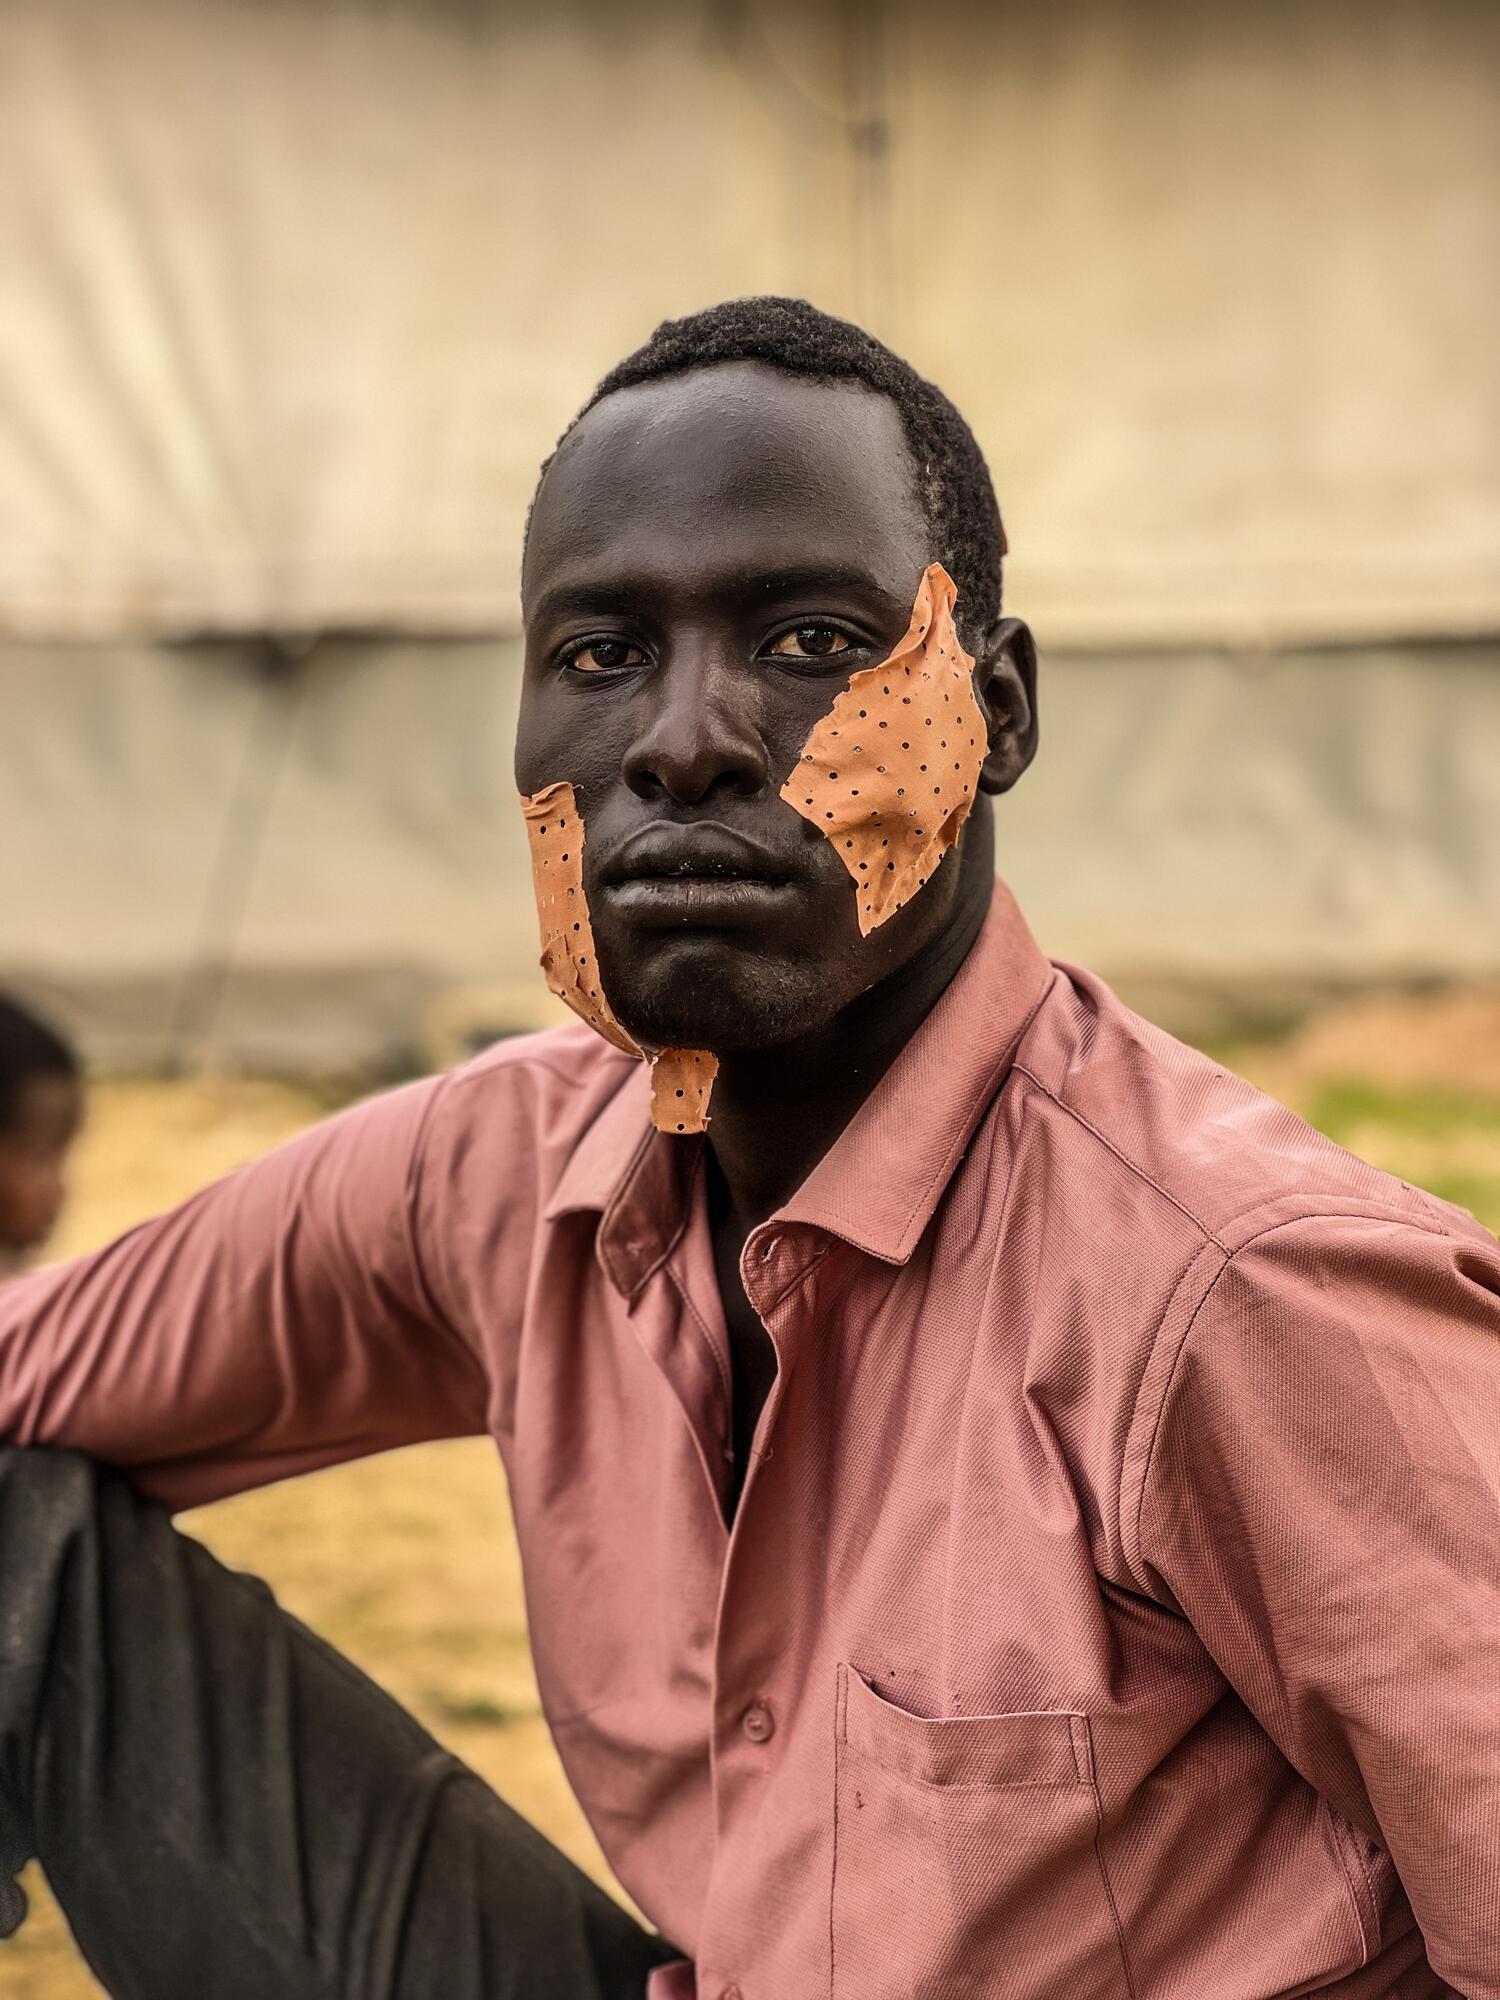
(28, 1048)
(953, 484)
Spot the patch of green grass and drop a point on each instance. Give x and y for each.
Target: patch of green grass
(480, 1710)
(1443, 1140)
(1345, 1103)
(1478, 1193)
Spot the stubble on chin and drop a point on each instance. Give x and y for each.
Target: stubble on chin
(752, 1004)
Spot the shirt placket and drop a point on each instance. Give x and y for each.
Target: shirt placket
(752, 1651)
(671, 1298)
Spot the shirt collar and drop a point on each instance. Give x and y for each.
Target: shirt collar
(878, 1185)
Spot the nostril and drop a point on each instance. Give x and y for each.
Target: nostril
(698, 739)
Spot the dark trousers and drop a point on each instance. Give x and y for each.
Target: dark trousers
(224, 1806)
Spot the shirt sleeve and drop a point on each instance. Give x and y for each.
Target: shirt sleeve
(1323, 1503)
(277, 1322)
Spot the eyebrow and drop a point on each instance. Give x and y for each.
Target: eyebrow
(631, 594)
(817, 577)
(586, 599)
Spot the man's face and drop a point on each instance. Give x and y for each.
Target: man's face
(711, 557)
(33, 1160)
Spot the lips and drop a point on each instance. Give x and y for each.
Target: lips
(677, 878)
(683, 854)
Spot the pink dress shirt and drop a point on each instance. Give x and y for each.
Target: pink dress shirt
(1113, 1608)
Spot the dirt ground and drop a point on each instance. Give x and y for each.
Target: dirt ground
(407, 1562)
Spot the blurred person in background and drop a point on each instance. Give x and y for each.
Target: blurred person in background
(1009, 1511)
(41, 1110)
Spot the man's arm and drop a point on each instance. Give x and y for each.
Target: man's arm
(279, 1321)
(1323, 1502)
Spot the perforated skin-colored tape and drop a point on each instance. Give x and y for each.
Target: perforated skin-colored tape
(682, 1082)
(681, 1079)
(890, 774)
(554, 829)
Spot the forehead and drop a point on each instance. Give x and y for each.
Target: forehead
(729, 469)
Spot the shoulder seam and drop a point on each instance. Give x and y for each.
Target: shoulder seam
(1131, 1166)
(1229, 1258)
(416, 1167)
(444, 1081)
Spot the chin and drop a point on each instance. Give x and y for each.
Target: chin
(690, 994)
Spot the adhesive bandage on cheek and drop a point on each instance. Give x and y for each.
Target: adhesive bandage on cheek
(681, 1079)
(890, 774)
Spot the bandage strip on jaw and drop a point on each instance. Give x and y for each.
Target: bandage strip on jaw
(889, 776)
(681, 1079)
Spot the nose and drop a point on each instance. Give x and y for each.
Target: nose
(700, 737)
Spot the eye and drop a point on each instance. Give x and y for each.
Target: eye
(603, 656)
(811, 642)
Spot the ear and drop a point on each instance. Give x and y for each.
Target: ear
(1005, 686)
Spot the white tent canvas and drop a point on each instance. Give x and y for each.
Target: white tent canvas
(297, 295)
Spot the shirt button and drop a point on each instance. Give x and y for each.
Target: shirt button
(731, 1993)
(758, 1722)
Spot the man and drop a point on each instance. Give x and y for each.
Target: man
(41, 1109)
(1011, 1512)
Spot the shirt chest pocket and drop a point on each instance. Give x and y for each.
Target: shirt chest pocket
(964, 1856)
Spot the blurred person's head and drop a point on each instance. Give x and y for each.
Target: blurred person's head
(735, 524)
(41, 1108)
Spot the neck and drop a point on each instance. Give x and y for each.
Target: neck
(776, 1112)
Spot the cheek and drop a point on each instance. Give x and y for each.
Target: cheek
(562, 736)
